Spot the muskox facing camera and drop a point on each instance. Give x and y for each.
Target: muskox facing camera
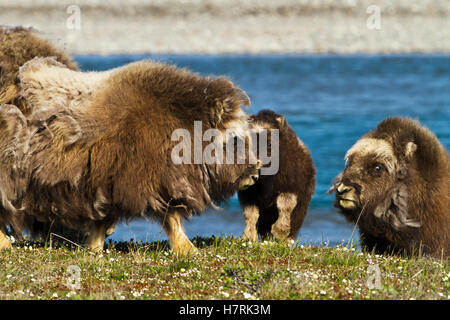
(277, 203)
(396, 188)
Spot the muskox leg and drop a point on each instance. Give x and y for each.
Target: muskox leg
(96, 238)
(286, 203)
(178, 240)
(110, 230)
(251, 214)
(4, 242)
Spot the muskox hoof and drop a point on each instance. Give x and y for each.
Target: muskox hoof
(4, 242)
(96, 238)
(184, 248)
(110, 230)
(280, 231)
(250, 236)
(96, 247)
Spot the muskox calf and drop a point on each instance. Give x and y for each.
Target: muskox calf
(100, 147)
(396, 188)
(276, 204)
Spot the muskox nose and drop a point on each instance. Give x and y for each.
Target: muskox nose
(254, 177)
(342, 189)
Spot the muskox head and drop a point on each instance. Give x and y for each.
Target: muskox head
(381, 169)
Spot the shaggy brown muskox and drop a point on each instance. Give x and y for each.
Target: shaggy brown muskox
(102, 149)
(17, 46)
(277, 204)
(396, 188)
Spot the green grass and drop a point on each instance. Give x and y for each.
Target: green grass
(221, 269)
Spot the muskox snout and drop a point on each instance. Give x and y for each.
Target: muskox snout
(346, 196)
(342, 189)
(249, 178)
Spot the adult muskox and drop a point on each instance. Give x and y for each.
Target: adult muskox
(277, 203)
(17, 46)
(396, 188)
(100, 146)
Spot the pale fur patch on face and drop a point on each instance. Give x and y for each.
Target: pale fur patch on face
(239, 126)
(259, 126)
(379, 147)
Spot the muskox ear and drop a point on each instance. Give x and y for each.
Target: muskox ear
(281, 121)
(394, 210)
(410, 149)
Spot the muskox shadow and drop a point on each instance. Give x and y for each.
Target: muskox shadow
(67, 242)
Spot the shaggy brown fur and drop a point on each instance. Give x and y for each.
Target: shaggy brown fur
(396, 187)
(13, 138)
(102, 152)
(277, 204)
(17, 46)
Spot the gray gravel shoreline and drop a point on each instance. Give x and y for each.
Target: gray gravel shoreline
(219, 26)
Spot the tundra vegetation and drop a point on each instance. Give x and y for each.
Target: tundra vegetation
(222, 268)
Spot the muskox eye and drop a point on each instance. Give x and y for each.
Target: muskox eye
(377, 169)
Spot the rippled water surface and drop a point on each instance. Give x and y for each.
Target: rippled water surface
(330, 101)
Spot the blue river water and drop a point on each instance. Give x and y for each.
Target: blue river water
(330, 101)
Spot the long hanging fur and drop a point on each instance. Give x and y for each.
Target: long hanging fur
(19, 45)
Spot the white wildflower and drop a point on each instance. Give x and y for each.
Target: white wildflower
(248, 296)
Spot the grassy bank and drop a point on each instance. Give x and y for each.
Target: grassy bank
(221, 269)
